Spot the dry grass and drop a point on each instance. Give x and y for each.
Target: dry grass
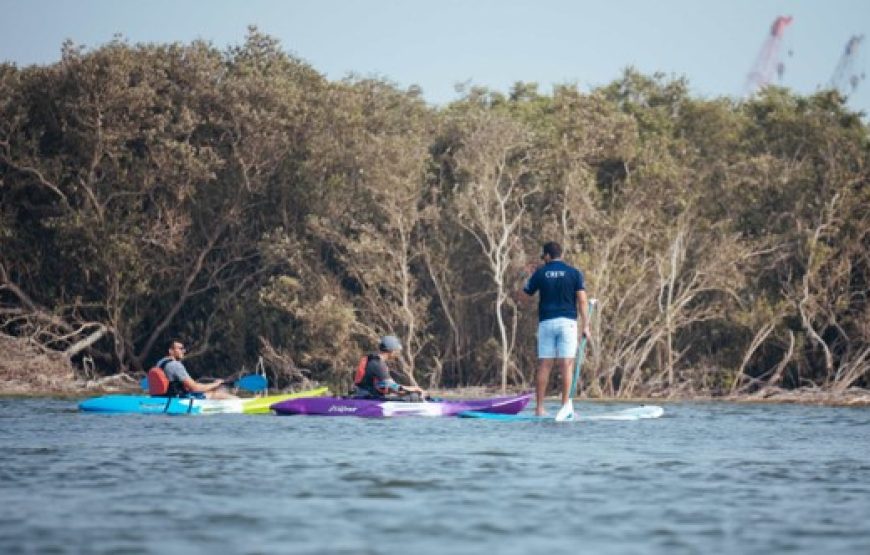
(852, 397)
(28, 369)
(25, 368)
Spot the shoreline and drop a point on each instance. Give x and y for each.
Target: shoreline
(852, 397)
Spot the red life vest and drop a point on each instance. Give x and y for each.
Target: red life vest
(360, 370)
(159, 384)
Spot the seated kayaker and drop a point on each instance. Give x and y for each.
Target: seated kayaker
(176, 382)
(373, 379)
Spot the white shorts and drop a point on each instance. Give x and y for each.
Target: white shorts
(557, 338)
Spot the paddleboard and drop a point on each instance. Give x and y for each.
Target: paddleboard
(633, 413)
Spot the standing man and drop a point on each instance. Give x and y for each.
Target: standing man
(562, 297)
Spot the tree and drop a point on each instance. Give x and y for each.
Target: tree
(493, 167)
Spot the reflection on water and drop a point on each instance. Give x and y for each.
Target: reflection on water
(706, 478)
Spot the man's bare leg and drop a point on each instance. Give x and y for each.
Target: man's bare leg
(565, 366)
(541, 380)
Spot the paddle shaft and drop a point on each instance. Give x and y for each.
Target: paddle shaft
(250, 382)
(581, 352)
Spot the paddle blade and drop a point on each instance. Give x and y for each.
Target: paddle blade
(252, 382)
(566, 413)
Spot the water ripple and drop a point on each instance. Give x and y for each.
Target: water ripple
(710, 478)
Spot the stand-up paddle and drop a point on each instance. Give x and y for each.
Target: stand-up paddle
(566, 412)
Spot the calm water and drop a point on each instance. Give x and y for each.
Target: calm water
(705, 478)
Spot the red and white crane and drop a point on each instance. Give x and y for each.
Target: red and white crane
(768, 61)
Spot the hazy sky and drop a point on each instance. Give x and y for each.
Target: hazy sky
(438, 43)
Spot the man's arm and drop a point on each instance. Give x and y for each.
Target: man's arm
(526, 290)
(179, 372)
(386, 383)
(412, 389)
(195, 387)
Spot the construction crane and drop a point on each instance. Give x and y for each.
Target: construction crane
(846, 77)
(768, 61)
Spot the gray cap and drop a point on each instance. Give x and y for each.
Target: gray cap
(389, 343)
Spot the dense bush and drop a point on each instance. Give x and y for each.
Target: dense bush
(241, 201)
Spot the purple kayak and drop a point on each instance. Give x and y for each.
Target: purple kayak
(373, 408)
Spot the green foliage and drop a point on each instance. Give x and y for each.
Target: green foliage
(242, 201)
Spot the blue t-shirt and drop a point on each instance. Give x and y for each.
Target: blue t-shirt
(558, 284)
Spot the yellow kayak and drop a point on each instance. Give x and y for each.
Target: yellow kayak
(261, 405)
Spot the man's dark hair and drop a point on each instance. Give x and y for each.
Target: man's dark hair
(553, 249)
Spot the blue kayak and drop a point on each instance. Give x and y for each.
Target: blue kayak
(142, 404)
(145, 404)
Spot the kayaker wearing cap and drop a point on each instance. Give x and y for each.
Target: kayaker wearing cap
(562, 292)
(376, 382)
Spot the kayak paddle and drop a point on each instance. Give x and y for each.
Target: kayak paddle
(566, 412)
(251, 382)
